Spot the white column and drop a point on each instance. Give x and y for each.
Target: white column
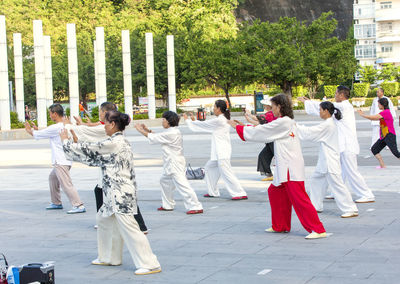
(150, 76)
(48, 70)
(4, 98)
(19, 77)
(171, 73)
(96, 79)
(73, 71)
(39, 73)
(126, 58)
(101, 60)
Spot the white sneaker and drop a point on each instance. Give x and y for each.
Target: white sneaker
(329, 197)
(145, 271)
(349, 215)
(315, 235)
(98, 262)
(270, 230)
(365, 200)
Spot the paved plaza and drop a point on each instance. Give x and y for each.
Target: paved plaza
(226, 244)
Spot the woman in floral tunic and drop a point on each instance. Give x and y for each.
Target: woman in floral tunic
(115, 219)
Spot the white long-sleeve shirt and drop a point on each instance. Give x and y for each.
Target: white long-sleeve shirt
(287, 149)
(88, 133)
(172, 147)
(375, 109)
(220, 139)
(347, 133)
(53, 134)
(326, 135)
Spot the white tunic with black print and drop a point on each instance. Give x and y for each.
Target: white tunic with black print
(115, 158)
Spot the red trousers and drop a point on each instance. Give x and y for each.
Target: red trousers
(281, 199)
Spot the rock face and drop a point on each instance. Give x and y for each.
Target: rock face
(272, 10)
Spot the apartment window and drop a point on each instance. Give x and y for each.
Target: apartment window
(356, 22)
(387, 48)
(386, 27)
(386, 5)
(364, 31)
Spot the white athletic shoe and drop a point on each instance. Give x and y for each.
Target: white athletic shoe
(365, 200)
(145, 271)
(349, 215)
(315, 235)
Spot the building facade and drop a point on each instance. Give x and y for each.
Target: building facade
(377, 32)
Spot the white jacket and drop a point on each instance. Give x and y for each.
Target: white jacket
(326, 135)
(220, 139)
(375, 109)
(347, 133)
(172, 147)
(287, 149)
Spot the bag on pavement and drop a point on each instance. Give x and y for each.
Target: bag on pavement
(192, 174)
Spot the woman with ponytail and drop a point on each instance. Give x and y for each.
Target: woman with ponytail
(328, 170)
(219, 164)
(115, 219)
(387, 132)
(287, 188)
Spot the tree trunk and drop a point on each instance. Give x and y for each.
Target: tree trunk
(227, 98)
(287, 88)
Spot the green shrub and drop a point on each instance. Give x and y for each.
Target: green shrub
(361, 89)
(15, 123)
(299, 91)
(390, 88)
(372, 93)
(145, 116)
(95, 114)
(330, 90)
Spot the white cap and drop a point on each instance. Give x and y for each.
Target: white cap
(266, 101)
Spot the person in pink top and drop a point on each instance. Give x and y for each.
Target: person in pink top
(387, 132)
(267, 153)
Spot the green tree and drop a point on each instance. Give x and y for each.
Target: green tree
(388, 73)
(368, 74)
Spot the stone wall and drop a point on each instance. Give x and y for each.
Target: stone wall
(272, 10)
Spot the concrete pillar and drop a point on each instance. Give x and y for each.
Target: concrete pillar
(150, 75)
(73, 79)
(39, 73)
(101, 64)
(171, 73)
(48, 73)
(4, 92)
(96, 79)
(19, 77)
(126, 58)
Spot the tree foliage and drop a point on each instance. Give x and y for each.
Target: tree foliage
(211, 49)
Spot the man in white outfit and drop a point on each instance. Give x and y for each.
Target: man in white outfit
(348, 143)
(375, 110)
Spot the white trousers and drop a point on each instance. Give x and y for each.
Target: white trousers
(113, 231)
(318, 186)
(222, 168)
(351, 174)
(180, 182)
(375, 134)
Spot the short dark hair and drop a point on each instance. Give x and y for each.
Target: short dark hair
(344, 90)
(171, 117)
(107, 106)
(384, 102)
(120, 119)
(57, 108)
(285, 104)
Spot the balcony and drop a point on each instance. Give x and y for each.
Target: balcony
(363, 11)
(364, 31)
(365, 51)
(387, 38)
